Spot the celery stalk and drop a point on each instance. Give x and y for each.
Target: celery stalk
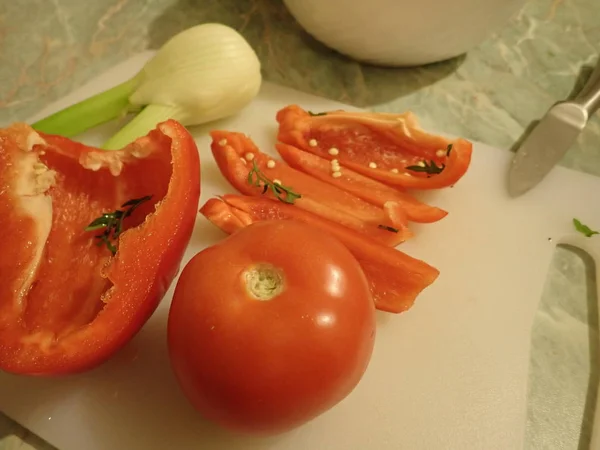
(140, 125)
(96, 110)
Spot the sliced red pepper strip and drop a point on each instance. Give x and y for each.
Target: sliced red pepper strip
(66, 303)
(395, 278)
(231, 152)
(228, 219)
(360, 185)
(225, 216)
(379, 145)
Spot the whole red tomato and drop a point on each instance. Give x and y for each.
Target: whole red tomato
(271, 327)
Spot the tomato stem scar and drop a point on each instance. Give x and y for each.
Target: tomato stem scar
(264, 281)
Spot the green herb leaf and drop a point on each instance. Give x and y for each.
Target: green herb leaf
(283, 193)
(134, 205)
(584, 229)
(136, 201)
(103, 221)
(448, 149)
(387, 228)
(113, 223)
(429, 168)
(310, 113)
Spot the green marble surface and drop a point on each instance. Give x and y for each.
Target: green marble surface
(49, 47)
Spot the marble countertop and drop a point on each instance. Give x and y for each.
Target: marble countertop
(48, 48)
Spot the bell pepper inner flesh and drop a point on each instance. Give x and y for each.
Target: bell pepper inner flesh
(391, 148)
(62, 307)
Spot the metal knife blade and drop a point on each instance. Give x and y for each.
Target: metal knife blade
(553, 136)
(545, 146)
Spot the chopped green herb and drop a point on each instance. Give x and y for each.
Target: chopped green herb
(113, 223)
(448, 149)
(310, 113)
(584, 229)
(387, 228)
(284, 193)
(429, 168)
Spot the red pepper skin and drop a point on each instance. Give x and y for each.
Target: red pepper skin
(392, 142)
(395, 278)
(67, 304)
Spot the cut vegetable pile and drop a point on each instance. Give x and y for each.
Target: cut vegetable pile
(95, 237)
(345, 173)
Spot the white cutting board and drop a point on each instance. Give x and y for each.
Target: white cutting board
(449, 374)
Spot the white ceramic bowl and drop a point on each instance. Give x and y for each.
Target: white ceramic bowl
(402, 32)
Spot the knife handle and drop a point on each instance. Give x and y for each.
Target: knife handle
(589, 97)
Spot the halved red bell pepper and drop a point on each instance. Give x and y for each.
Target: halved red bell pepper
(236, 156)
(360, 185)
(395, 278)
(67, 303)
(391, 148)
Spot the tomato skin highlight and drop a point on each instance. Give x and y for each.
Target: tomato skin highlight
(83, 304)
(266, 366)
(395, 278)
(392, 141)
